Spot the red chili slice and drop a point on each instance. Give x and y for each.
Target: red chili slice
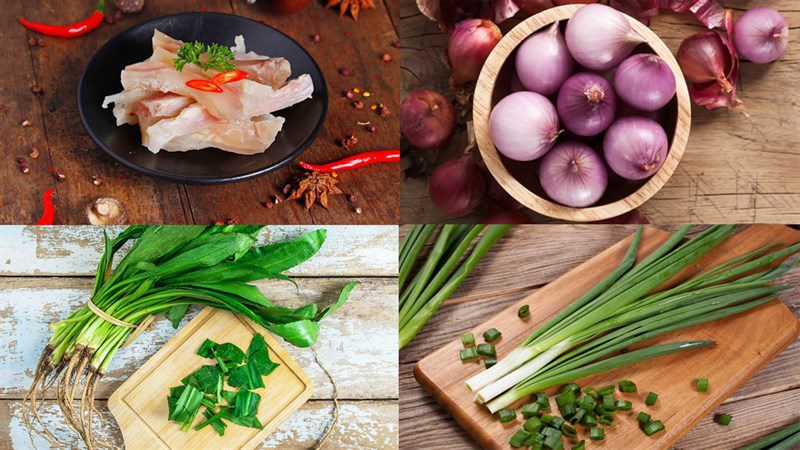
(228, 77)
(204, 85)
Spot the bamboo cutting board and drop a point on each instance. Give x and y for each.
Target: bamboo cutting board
(745, 344)
(140, 404)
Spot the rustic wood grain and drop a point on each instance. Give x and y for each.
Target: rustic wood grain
(75, 251)
(64, 145)
(362, 424)
(735, 169)
(424, 422)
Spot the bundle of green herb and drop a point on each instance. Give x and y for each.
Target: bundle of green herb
(167, 269)
(206, 386)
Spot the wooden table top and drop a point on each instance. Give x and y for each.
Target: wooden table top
(46, 273)
(57, 133)
(763, 405)
(735, 169)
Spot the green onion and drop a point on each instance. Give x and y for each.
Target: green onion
(530, 410)
(491, 335)
(523, 311)
(557, 422)
(542, 400)
(784, 439)
(588, 421)
(723, 419)
(469, 353)
(568, 431)
(533, 440)
(643, 418)
(653, 427)
(486, 350)
(547, 418)
(489, 362)
(580, 445)
(623, 405)
(587, 403)
(575, 418)
(534, 424)
(651, 399)
(622, 310)
(701, 385)
(597, 434)
(589, 390)
(517, 439)
(551, 431)
(606, 390)
(468, 339)
(606, 419)
(574, 388)
(553, 442)
(627, 386)
(506, 415)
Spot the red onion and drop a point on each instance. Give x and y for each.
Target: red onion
(635, 147)
(703, 57)
(761, 35)
(427, 119)
(543, 61)
(507, 217)
(457, 186)
(524, 126)
(645, 81)
(573, 174)
(599, 37)
(469, 46)
(586, 104)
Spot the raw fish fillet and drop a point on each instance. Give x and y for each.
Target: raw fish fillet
(175, 117)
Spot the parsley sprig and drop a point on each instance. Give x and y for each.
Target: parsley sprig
(217, 57)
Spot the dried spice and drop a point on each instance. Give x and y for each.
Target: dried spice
(315, 38)
(34, 154)
(348, 141)
(59, 176)
(106, 211)
(352, 6)
(315, 187)
(358, 104)
(26, 123)
(97, 180)
(344, 72)
(23, 166)
(37, 90)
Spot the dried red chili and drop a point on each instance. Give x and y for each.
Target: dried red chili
(229, 77)
(73, 30)
(204, 85)
(352, 162)
(49, 212)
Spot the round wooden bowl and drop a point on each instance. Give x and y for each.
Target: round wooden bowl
(519, 178)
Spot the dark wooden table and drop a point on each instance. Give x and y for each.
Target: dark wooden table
(57, 133)
(528, 258)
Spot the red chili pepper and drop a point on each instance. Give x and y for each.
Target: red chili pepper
(228, 77)
(73, 30)
(49, 210)
(204, 85)
(351, 162)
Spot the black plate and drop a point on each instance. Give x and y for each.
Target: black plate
(208, 166)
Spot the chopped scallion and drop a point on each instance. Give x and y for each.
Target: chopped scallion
(643, 418)
(468, 339)
(589, 420)
(486, 350)
(577, 416)
(627, 386)
(531, 409)
(653, 427)
(702, 385)
(597, 434)
(506, 415)
(651, 399)
(533, 425)
(574, 388)
(549, 431)
(580, 445)
(590, 390)
(568, 431)
(489, 362)
(587, 403)
(518, 439)
(623, 405)
(491, 335)
(468, 354)
(524, 311)
(607, 419)
(723, 419)
(606, 390)
(553, 442)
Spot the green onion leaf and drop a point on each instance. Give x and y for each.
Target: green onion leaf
(651, 399)
(491, 335)
(468, 339)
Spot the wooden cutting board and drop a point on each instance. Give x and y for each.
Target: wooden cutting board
(140, 404)
(745, 344)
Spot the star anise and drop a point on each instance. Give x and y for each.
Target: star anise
(354, 6)
(315, 187)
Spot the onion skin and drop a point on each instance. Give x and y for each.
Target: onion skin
(524, 126)
(635, 147)
(457, 186)
(427, 119)
(599, 37)
(761, 35)
(572, 174)
(703, 57)
(469, 46)
(543, 61)
(586, 104)
(645, 82)
(507, 217)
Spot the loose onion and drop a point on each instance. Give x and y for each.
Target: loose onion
(600, 37)
(761, 35)
(645, 81)
(427, 119)
(543, 61)
(469, 46)
(573, 174)
(635, 147)
(703, 57)
(524, 126)
(586, 104)
(457, 186)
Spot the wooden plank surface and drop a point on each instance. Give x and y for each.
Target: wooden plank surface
(56, 130)
(75, 251)
(424, 422)
(735, 169)
(357, 344)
